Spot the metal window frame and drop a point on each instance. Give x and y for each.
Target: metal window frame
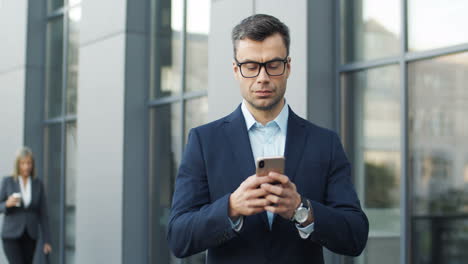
(182, 98)
(64, 119)
(405, 56)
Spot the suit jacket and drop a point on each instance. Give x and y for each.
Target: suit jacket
(218, 158)
(19, 219)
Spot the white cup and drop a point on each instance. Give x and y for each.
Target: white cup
(18, 196)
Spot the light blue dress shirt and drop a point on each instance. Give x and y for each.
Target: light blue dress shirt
(267, 141)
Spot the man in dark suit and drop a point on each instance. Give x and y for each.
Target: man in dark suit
(220, 205)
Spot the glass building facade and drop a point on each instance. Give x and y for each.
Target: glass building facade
(402, 72)
(60, 120)
(177, 103)
(395, 82)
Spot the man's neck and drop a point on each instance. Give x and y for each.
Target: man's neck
(265, 116)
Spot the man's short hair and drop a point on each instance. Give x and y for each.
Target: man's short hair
(259, 27)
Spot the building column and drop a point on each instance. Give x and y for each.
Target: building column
(100, 132)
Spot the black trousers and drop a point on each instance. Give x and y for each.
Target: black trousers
(19, 250)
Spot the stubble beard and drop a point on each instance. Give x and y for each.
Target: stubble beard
(268, 107)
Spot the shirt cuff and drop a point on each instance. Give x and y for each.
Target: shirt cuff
(237, 225)
(305, 232)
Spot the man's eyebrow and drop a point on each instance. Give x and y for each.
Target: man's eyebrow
(274, 59)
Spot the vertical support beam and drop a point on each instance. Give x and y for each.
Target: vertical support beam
(34, 89)
(322, 77)
(61, 246)
(405, 207)
(135, 215)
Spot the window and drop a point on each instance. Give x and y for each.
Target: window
(178, 102)
(438, 141)
(402, 75)
(373, 121)
(60, 124)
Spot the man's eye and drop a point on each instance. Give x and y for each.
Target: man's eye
(274, 65)
(251, 66)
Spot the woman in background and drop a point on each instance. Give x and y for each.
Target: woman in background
(22, 200)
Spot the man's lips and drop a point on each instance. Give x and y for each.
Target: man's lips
(263, 92)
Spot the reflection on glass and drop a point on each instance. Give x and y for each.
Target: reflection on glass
(52, 182)
(54, 4)
(198, 28)
(72, 68)
(436, 24)
(73, 2)
(196, 112)
(370, 29)
(165, 154)
(438, 137)
(70, 192)
(54, 62)
(372, 123)
(166, 43)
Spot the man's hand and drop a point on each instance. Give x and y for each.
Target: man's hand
(284, 198)
(249, 199)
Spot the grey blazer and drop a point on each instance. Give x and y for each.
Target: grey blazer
(19, 219)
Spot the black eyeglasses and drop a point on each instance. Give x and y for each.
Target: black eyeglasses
(251, 69)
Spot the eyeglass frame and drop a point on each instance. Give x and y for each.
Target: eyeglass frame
(262, 64)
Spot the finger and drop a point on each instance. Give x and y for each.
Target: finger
(255, 181)
(264, 179)
(260, 203)
(256, 193)
(283, 179)
(247, 183)
(273, 199)
(278, 190)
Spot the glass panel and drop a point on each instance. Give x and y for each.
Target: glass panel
(196, 113)
(53, 183)
(54, 4)
(198, 28)
(73, 2)
(72, 67)
(370, 29)
(438, 161)
(372, 123)
(54, 62)
(70, 193)
(165, 154)
(166, 61)
(436, 24)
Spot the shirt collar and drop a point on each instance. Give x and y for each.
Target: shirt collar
(281, 119)
(21, 180)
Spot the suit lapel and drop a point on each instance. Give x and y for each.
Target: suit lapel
(295, 141)
(16, 185)
(239, 142)
(34, 191)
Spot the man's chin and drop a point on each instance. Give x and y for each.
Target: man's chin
(265, 105)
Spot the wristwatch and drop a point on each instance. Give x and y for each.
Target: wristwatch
(302, 212)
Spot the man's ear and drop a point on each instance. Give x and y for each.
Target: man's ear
(235, 70)
(288, 66)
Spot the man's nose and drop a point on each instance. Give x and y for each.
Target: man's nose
(263, 75)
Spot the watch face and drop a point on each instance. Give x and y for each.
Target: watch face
(301, 215)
